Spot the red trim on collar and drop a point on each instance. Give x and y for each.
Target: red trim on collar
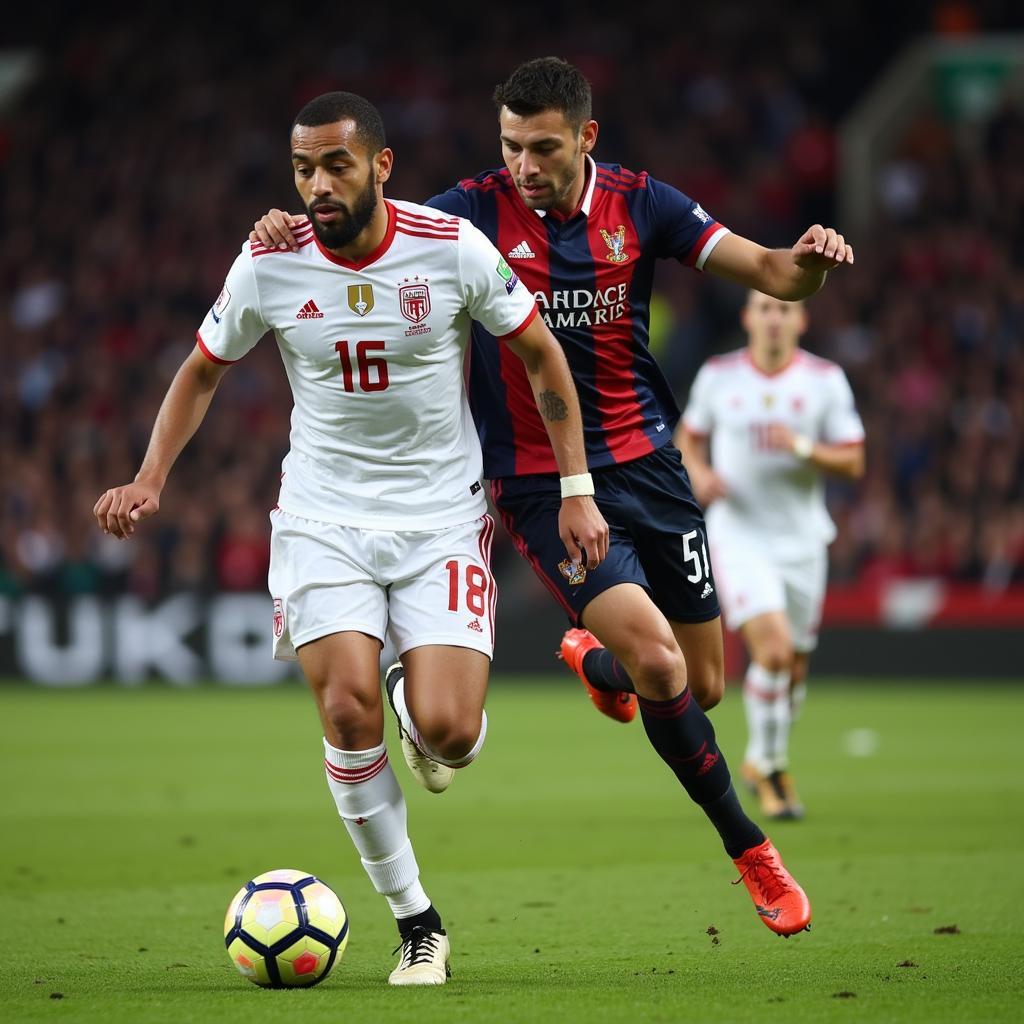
(370, 257)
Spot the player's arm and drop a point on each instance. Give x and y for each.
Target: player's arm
(845, 460)
(275, 229)
(786, 274)
(181, 412)
(580, 523)
(707, 484)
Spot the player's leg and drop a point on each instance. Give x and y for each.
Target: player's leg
(335, 628)
(442, 620)
(437, 693)
(805, 581)
(703, 650)
(615, 604)
(784, 781)
(753, 598)
(610, 684)
(766, 703)
(342, 670)
(684, 738)
(798, 683)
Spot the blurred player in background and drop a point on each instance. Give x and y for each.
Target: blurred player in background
(776, 419)
(382, 519)
(584, 237)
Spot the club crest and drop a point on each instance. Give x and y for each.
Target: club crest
(415, 302)
(360, 298)
(574, 572)
(616, 243)
(278, 618)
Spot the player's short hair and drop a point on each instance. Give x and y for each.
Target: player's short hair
(345, 106)
(546, 83)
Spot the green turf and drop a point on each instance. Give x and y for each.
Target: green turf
(577, 882)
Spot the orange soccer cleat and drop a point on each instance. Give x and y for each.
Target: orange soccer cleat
(780, 902)
(615, 704)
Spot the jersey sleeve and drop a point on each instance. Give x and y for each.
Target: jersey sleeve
(685, 231)
(495, 297)
(699, 416)
(234, 323)
(842, 423)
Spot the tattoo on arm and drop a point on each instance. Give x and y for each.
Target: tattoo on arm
(552, 406)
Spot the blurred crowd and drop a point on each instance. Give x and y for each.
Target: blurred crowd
(135, 163)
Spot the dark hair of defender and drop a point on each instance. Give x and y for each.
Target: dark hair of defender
(345, 106)
(546, 83)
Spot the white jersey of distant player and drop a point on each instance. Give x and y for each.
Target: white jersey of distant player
(773, 495)
(381, 433)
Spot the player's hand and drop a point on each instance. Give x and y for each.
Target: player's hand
(582, 528)
(779, 438)
(821, 249)
(274, 230)
(708, 487)
(120, 508)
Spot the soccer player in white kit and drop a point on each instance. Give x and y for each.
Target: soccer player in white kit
(381, 522)
(776, 419)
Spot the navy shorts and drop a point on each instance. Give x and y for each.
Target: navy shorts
(657, 536)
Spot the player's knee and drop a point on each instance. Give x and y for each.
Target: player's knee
(348, 715)
(707, 685)
(777, 656)
(452, 740)
(658, 670)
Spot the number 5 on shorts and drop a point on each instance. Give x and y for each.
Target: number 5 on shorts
(690, 555)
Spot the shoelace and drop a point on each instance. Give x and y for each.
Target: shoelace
(763, 870)
(418, 947)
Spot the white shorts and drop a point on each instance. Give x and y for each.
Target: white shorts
(427, 587)
(751, 582)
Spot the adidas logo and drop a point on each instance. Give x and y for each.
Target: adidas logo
(475, 626)
(710, 760)
(309, 312)
(708, 590)
(522, 252)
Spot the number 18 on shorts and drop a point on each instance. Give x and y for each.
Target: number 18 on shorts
(426, 586)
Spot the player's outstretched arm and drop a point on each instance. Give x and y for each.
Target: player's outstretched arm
(274, 229)
(707, 484)
(580, 523)
(846, 460)
(786, 274)
(181, 412)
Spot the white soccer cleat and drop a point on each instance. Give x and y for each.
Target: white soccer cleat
(424, 959)
(434, 777)
(431, 775)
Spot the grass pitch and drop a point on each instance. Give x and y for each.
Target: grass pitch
(576, 880)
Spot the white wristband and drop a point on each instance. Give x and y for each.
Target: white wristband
(802, 447)
(577, 486)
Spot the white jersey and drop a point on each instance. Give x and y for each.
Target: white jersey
(773, 495)
(381, 433)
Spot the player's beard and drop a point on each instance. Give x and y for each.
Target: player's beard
(559, 189)
(351, 223)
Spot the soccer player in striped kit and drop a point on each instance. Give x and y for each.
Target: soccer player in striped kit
(381, 523)
(584, 237)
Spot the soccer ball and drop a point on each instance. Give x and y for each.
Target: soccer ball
(285, 929)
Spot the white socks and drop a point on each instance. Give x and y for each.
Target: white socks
(409, 728)
(767, 702)
(373, 809)
(797, 696)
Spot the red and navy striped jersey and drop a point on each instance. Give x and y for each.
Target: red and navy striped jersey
(591, 275)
